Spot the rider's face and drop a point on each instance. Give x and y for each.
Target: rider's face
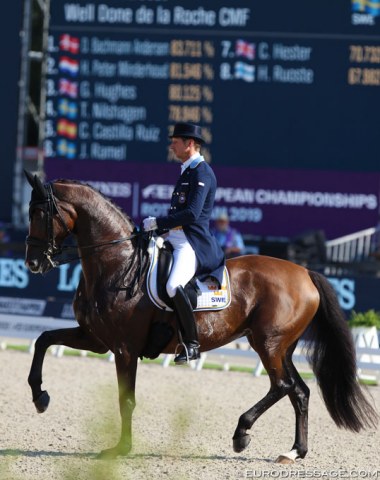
(181, 148)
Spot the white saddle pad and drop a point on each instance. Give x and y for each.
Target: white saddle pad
(212, 297)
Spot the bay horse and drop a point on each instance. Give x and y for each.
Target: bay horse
(273, 303)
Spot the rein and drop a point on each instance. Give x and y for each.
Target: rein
(51, 250)
(68, 248)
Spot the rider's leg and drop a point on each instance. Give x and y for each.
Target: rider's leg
(184, 310)
(184, 267)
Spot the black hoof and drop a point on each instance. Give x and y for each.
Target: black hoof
(112, 453)
(42, 402)
(241, 443)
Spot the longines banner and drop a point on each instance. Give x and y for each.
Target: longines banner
(23, 294)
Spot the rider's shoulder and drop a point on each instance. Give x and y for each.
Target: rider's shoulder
(197, 162)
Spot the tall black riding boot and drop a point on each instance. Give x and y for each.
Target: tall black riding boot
(188, 328)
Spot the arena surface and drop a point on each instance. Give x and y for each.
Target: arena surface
(183, 424)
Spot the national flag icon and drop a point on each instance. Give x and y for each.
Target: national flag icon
(69, 43)
(68, 65)
(66, 87)
(366, 6)
(245, 49)
(245, 72)
(67, 129)
(66, 149)
(68, 109)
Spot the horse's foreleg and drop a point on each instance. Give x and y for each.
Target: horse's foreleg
(70, 337)
(300, 401)
(126, 366)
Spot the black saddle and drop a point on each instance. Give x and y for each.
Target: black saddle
(164, 267)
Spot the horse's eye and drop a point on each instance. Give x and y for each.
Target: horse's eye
(37, 213)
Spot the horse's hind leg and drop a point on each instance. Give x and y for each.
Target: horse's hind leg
(281, 385)
(70, 337)
(300, 401)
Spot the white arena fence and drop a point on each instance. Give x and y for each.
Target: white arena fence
(368, 359)
(237, 353)
(355, 247)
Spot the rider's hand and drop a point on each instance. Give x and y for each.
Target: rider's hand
(149, 224)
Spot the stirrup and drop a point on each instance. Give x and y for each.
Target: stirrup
(180, 358)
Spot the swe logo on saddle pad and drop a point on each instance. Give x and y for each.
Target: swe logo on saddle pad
(212, 297)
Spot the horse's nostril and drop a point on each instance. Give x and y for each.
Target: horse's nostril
(31, 264)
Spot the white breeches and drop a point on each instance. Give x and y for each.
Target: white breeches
(185, 261)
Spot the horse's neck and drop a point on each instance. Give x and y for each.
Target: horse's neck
(98, 220)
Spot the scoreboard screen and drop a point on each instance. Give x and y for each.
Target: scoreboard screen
(286, 85)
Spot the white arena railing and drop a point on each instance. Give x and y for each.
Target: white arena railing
(368, 359)
(355, 247)
(240, 353)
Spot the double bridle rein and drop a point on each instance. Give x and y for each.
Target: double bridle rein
(50, 249)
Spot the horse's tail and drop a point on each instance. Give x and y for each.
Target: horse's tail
(333, 359)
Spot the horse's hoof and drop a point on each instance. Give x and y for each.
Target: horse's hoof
(284, 460)
(112, 453)
(42, 402)
(240, 443)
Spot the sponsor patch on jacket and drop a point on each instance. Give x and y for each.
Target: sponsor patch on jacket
(201, 184)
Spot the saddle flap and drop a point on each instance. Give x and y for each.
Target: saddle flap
(164, 266)
(205, 295)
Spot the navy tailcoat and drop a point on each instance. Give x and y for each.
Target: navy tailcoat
(191, 207)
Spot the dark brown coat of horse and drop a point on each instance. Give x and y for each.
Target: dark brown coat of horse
(273, 303)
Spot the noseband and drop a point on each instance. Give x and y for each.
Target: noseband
(50, 207)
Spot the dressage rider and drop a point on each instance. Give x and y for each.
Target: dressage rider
(196, 250)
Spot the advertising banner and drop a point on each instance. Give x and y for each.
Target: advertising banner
(25, 294)
(258, 201)
(31, 304)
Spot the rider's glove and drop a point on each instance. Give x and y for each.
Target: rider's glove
(149, 224)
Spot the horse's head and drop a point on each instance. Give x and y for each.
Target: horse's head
(49, 225)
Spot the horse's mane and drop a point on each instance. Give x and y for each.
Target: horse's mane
(129, 277)
(107, 200)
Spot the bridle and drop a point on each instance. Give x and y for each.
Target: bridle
(50, 207)
(49, 248)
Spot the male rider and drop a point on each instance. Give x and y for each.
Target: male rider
(196, 250)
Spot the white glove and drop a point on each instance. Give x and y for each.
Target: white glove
(149, 224)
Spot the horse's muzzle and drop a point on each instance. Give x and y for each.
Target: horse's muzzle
(35, 266)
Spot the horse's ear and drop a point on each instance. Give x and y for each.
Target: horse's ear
(36, 184)
(29, 177)
(38, 187)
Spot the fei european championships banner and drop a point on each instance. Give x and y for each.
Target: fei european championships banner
(264, 202)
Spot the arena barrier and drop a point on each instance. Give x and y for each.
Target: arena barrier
(237, 353)
(368, 359)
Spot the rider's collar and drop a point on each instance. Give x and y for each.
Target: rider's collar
(189, 161)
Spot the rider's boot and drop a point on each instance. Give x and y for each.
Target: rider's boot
(184, 311)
